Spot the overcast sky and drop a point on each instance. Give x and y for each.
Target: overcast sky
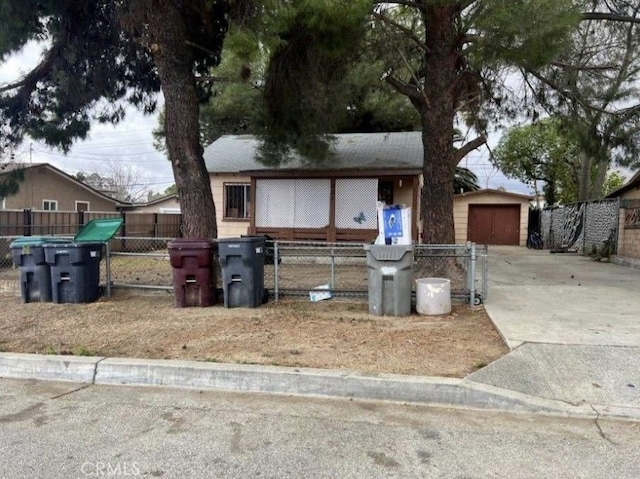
(131, 142)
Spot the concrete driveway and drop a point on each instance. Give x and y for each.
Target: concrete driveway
(536, 296)
(573, 325)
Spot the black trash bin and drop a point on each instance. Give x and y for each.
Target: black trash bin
(242, 267)
(75, 271)
(35, 276)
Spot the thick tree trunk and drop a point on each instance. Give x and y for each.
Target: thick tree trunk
(601, 175)
(584, 180)
(437, 114)
(175, 69)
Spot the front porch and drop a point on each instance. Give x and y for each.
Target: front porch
(331, 209)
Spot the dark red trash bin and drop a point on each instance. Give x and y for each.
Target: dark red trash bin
(194, 281)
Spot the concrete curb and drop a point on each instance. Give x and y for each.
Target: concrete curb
(48, 367)
(306, 381)
(443, 392)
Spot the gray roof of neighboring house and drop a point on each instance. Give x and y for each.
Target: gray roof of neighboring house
(233, 154)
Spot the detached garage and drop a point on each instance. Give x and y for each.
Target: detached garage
(491, 217)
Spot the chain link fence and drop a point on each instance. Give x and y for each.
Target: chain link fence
(291, 268)
(583, 227)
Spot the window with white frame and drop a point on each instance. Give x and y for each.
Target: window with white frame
(50, 205)
(237, 200)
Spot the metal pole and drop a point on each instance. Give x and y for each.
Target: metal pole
(485, 274)
(472, 274)
(333, 269)
(467, 261)
(276, 260)
(108, 251)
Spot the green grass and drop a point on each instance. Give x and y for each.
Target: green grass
(50, 349)
(82, 351)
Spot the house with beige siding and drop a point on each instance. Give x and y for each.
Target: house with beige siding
(492, 217)
(45, 187)
(168, 204)
(337, 200)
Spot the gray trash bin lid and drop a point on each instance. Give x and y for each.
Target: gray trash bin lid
(387, 252)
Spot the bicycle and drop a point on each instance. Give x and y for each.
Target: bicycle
(534, 241)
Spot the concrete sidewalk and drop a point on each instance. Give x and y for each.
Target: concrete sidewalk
(573, 325)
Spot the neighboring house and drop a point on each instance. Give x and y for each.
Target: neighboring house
(629, 191)
(629, 226)
(164, 204)
(336, 201)
(48, 188)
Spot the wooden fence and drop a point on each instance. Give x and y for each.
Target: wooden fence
(135, 225)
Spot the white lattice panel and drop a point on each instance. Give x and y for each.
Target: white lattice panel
(312, 201)
(356, 203)
(275, 203)
(292, 203)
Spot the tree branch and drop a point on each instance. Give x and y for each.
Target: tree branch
(40, 71)
(406, 3)
(410, 91)
(612, 17)
(407, 31)
(469, 147)
(568, 66)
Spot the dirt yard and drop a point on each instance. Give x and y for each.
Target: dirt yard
(329, 334)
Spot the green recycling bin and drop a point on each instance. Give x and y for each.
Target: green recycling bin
(35, 276)
(75, 266)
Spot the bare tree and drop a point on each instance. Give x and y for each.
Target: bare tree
(122, 181)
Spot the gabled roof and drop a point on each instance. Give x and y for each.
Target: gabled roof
(495, 192)
(157, 200)
(59, 172)
(161, 199)
(352, 151)
(634, 182)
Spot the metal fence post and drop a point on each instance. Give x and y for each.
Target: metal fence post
(472, 276)
(333, 269)
(485, 274)
(467, 260)
(108, 266)
(276, 260)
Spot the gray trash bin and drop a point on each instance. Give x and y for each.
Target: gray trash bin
(242, 271)
(390, 276)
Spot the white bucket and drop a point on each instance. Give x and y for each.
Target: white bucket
(433, 296)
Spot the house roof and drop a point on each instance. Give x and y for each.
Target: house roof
(57, 171)
(634, 182)
(158, 200)
(496, 192)
(353, 151)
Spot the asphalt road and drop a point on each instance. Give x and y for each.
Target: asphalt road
(55, 430)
